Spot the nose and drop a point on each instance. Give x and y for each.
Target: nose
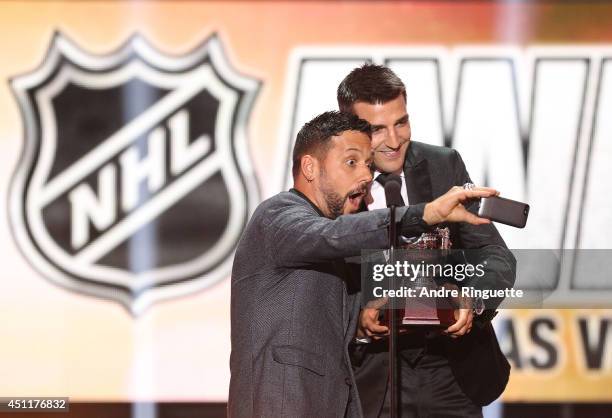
(365, 176)
(393, 141)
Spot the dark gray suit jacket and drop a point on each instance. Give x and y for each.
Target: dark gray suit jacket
(291, 314)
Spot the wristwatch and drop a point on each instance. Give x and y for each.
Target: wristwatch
(478, 306)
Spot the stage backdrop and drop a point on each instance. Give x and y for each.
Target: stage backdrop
(136, 138)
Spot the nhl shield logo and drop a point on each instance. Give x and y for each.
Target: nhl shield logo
(135, 180)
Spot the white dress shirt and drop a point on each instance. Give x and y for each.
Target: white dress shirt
(378, 193)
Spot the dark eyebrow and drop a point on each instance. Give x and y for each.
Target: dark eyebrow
(403, 119)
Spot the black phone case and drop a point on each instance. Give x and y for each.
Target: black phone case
(505, 211)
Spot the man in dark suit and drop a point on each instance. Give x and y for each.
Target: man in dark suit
(292, 316)
(446, 375)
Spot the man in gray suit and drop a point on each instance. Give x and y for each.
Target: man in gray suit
(292, 315)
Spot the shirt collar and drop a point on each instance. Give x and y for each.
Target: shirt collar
(377, 173)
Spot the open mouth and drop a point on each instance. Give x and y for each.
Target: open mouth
(356, 196)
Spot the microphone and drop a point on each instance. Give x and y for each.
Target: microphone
(393, 187)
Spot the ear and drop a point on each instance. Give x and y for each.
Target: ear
(309, 167)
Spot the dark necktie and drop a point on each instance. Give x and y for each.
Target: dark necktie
(382, 179)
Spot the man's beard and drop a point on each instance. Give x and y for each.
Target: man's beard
(333, 200)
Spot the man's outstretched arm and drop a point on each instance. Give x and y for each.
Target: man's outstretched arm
(296, 236)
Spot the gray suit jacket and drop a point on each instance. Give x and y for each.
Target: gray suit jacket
(292, 316)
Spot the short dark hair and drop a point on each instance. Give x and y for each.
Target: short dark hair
(370, 83)
(314, 137)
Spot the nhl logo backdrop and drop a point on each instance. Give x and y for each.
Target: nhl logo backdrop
(135, 180)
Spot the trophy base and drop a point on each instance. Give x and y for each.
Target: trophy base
(411, 321)
(439, 318)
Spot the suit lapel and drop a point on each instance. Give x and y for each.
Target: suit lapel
(416, 173)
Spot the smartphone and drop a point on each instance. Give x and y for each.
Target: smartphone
(505, 211)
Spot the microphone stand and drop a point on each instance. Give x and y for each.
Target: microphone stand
(393, 321)
(393, 197)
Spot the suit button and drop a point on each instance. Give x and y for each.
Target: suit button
(347, 380)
